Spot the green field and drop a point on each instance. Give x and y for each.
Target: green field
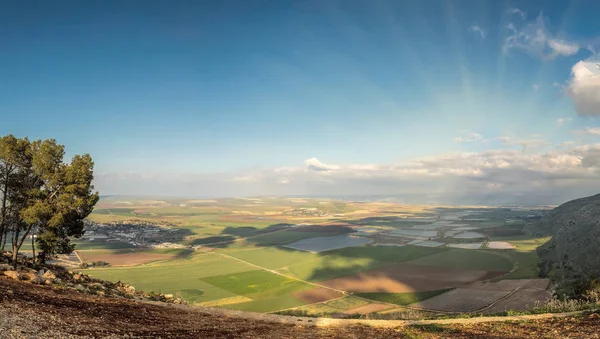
(249, 270)
(402, 299)
(468, 260)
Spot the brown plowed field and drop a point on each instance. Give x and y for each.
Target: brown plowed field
(317, 295)
(462, 300)
(511, 284)
(124, 259)
(406, 278)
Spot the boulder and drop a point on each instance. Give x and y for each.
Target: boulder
(49, 275)
(29, 276)
(130, 289)
(80, 288)
(5, 267)
(77, 277)
(13, 274)
(169, 296)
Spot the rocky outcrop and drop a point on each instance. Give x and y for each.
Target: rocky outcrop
(61, 278)
(572, 256)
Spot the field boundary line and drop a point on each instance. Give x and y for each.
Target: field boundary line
(281, 274)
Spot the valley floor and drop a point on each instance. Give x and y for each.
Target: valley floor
(29, 311)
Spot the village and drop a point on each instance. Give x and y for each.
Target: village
(139, 233)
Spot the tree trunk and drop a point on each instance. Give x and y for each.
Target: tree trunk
(3, 232)
(33, 246)
(4, 239)
(15, 249)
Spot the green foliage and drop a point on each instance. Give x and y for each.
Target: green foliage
(44, 195)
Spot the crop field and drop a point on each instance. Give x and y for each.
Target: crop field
(322, 244)
(462, 300)
(403, 278)
(464, 259)
(403, 299)
(467, 246)
(269, 254)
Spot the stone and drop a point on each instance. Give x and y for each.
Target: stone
(77, 277)
(48, 282)
(130, 289)
(29, 276)
(49, 275)
(5, 267)
(169, 296)
(80, 287)
(13, 275)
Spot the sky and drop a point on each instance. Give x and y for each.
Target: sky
(428, 101)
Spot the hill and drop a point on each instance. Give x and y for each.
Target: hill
(570, 258)
(33, 311)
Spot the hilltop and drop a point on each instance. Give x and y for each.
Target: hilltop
(570, 258)
(33, 311)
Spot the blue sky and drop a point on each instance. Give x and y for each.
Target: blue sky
(211, 92)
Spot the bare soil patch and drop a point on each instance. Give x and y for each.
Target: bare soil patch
(511, 284)
(125, 259)
(521, 300)
(316, 295)
(462, 300)
(400, 278)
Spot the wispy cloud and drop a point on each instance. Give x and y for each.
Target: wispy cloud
(595, 131)
(525, 144)
(562, 121)
(584, 87)
(471, 137)
(516, 11)
(535, 39)
(535, 87)
(477, 30)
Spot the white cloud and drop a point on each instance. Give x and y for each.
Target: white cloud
(489, 177)
(595, 131)
(314, 164)
(584, 87)
(517, 12)
(525, 144)
(535, 87)
(562, 47)
(535, 39)
(561, 121)
(476, 29)
(471, 137)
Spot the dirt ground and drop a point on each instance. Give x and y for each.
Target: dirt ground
(124, 259)
(29, 311)
(316, 295)
(401, 278)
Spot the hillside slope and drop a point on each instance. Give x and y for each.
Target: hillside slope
(33, 311)
(571, 257)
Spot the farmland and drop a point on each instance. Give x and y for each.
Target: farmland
(315, 256)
